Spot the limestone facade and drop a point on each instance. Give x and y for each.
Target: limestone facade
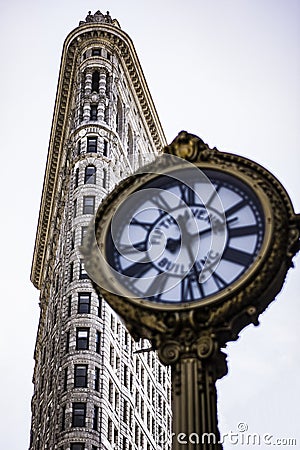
(91, 390)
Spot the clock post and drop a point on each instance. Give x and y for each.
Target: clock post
(194, 396)
(188, 252)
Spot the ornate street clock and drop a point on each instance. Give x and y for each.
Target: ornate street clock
(188, 251)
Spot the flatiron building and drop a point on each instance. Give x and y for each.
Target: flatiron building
(91, 389)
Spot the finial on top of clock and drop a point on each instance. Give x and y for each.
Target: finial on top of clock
(187, 146)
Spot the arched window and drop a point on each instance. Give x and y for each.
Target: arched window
(95, 81)
(90, 175)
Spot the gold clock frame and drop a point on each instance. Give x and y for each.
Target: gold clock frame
(107, 211)
(251, 293)
(190, 337)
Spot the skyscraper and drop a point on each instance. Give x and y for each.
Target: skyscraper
(91, 390)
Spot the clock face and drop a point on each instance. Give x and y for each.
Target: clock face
(185, 236)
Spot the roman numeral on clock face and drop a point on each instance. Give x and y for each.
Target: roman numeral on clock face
(129, 249)
(160, 202)
(191, 289)
(138, 269)
(146, 225)
(188, 195)
(157, 287)
(237, 256)
(233, 209)
(220, 282)
(243, 231)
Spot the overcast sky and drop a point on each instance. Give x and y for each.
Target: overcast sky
(226, 70)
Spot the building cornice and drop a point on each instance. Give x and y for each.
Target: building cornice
(75, 42)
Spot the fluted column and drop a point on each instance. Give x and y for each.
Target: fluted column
(195, 370)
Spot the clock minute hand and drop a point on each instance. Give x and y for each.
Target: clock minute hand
(217, 227)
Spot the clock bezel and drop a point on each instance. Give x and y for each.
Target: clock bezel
(134, 183)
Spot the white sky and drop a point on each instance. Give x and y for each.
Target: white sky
(227, 70)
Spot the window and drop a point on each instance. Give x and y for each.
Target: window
(82, 338)
(69, 305)
(76, 178)
(142, 408)
(77, 446)
(98, 341)
(119, 118)
(63, 418)
(96, 52)
(67, 341)
(116, 438)
(80, 118)
(106, 114)
(108, 85)
(112, 322)
(104, 181)
(79, 414)
(110, 431)
(94, 112)
(78, 147)
(117, 399)
(91, 145)
(50, 385)
(88, 204)
(105, 148)
(90, 175)
(80, 375)
(65, 378)
(84, 303)
(83, 233)
(73, 240)
(125, 375)
(110, 392)
(96, 378)
(95, 417)
(131, 382)
(130, 141)
(111, 356)
(55, 306)
(82, 272)
(125, 411)
(75, 208)
(94, 447)
(71, 271)
(99, 306)
(95, 81)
